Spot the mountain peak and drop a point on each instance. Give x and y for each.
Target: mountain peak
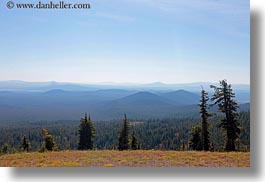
(55, 91)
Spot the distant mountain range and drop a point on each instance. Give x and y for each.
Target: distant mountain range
(17, 85)
(20, 101)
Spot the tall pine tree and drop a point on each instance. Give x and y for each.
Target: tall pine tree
(124, 142)
(205, 141)
(25, 144)
(224, 98)
(86, 134)
(135, 142)
(195, 138)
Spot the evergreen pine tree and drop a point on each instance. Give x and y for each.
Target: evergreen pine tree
(82, 134)
(5, 148)
(139, 145)
(49, 143)
(25, 144)
(86, 134)
(205, 141)
(124, 135)
(135, 142)
(224, 98)
(183, 148)
(195, 139)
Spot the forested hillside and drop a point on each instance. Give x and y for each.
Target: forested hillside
(165, 134)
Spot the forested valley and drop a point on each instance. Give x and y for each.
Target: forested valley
(164, 134)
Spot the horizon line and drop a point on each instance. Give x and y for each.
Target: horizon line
(117, 83)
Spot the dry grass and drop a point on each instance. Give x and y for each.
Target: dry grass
(139, 158)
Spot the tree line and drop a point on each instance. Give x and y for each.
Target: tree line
(87, 133)
(158, 134)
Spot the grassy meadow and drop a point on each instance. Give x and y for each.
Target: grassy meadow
(138, 158)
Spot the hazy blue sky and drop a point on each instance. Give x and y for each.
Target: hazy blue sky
(139, 41)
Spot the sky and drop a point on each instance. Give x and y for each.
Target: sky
(128, 41)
